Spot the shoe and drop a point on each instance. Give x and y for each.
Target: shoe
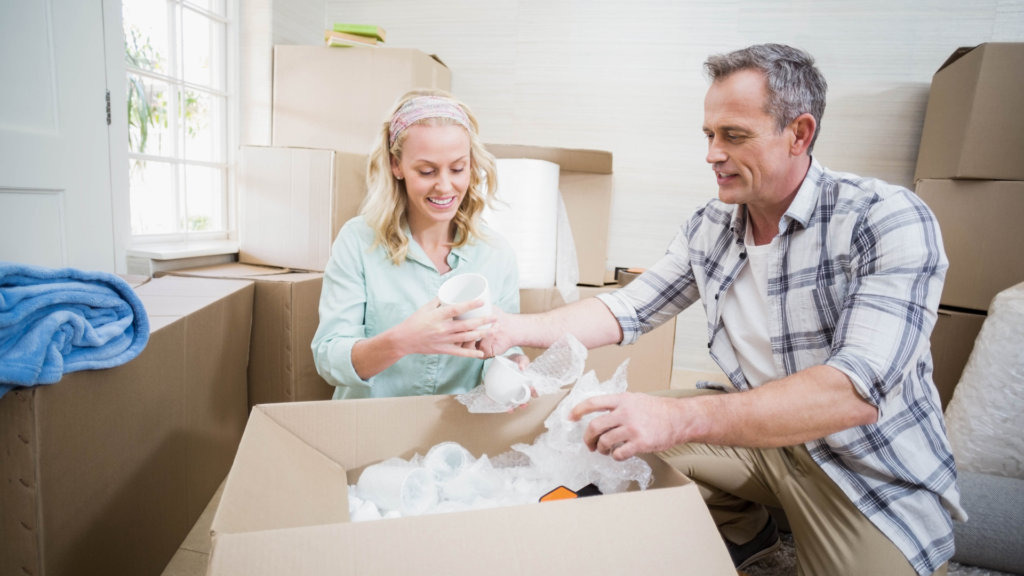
(766, 542)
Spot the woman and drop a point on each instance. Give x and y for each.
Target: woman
(382, 331)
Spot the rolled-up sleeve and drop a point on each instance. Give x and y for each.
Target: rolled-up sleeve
(342, 313)
(898, 266)
(657, 295)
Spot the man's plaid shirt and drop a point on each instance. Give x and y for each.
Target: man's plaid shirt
(854, 283)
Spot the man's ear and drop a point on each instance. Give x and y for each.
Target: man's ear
(803, 127)
(396, 169)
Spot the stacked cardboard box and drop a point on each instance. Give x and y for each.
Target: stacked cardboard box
(284, 319)
(970, 172)
(106, 471)
(285, 511)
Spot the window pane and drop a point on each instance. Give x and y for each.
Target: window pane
(152, 198)
(204, 189)
(215, 6)
(202, 56)
(145, 34)
(203, 126)
(149, 129)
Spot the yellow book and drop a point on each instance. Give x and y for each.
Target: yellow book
(343, 39)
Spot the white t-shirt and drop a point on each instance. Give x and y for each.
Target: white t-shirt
(745, 314)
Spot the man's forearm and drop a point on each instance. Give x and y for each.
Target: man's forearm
(805, 406)
(589, 320)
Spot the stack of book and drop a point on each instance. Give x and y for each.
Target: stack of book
(345, 35)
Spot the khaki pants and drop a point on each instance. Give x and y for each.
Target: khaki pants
(832, 536)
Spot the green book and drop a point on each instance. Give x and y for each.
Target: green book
(368, 30)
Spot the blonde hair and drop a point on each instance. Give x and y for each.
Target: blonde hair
(386, 203)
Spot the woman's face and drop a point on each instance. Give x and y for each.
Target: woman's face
(435, 168)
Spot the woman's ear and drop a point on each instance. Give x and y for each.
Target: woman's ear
(396, 168)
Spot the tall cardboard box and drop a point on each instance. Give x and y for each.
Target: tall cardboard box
(336, 98)
(285, 317)
(284, 508)
(105, 472)
(974, 124)
(650, 359)
(982, 232)
(952, 342)
(293, 202)
(585, 180)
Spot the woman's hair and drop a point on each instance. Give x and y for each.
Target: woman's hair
(386, 203)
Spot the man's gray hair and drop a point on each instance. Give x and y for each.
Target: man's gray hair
(795, 85)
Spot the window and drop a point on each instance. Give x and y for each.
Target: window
(178, 120)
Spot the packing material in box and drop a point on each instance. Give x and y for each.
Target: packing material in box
(585, 181)
(285, 316)
(650, 359)
(284, 508)
(293, 203)
(974, 124)
(952, 341)
(106, 471)
(336, 99)
(982, 234)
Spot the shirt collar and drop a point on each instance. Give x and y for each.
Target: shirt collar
(417, 254)
(800, 209)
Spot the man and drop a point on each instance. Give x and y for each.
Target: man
(821, 292)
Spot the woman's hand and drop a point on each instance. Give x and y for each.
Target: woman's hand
(433, 330)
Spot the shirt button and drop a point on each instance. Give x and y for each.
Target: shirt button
(716, 296)
(743, 255)
(709, 345)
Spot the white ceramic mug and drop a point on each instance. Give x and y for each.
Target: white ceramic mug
(505, 383)
(466, 288)
(409, 489)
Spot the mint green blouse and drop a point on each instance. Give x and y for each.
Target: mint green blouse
(365, 294)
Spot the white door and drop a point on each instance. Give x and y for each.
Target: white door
(55, 193)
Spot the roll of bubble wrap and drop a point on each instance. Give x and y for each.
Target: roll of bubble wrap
(985, 418)
(531, 215)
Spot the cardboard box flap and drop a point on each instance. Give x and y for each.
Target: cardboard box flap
(279, 481)
(178, 296)
(595, 161)
(390, 427)
(956, 55)
(604, 535)
(233, 270)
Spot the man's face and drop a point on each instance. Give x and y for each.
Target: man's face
(745, 150)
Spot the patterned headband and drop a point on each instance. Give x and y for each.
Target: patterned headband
(422, 107)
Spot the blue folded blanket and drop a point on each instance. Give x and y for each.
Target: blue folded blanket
(57, 321)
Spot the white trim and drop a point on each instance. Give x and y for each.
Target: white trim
(117, 133)
(175, 250)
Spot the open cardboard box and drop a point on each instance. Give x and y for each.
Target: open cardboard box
(284, 509)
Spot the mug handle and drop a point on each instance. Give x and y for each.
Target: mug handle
(526, 396)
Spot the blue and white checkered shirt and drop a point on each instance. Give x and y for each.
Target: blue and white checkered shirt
(853, 283)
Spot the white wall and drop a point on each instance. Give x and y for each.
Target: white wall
(625, 76)
(264, 24)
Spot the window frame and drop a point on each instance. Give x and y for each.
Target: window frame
(229, 202)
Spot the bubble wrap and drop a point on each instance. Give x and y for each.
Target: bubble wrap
(557, 457)
(567, 265)
(560, 365)
(985, 419)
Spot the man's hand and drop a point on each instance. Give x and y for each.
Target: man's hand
(499, 338)
(635, 424)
